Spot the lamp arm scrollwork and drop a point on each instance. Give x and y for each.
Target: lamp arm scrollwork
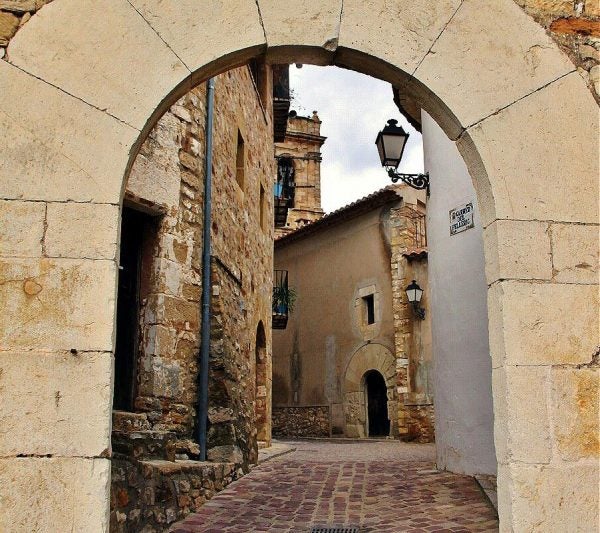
(416, 181)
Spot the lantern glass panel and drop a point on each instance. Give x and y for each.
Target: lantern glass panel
(414, 292)
(393, 146)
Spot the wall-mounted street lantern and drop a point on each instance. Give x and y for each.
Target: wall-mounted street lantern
(390, 142)
(414, 294)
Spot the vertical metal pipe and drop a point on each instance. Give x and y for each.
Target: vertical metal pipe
(206, 268)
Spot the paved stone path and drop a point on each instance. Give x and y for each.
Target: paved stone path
(383, 487)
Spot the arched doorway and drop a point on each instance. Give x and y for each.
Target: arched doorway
(261, 410)
(378, 422)
(376, 360)
(101, 99)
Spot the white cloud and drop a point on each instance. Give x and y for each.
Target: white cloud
(353, 108)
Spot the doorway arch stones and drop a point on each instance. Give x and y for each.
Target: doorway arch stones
(83, 82)
(371, 356)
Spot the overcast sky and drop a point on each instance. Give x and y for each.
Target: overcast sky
(353, 108)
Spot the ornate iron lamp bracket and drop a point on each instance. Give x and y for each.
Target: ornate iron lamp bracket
(416, 181)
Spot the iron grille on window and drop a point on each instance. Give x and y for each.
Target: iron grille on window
(281, 299)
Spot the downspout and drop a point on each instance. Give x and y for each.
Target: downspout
(206, 268)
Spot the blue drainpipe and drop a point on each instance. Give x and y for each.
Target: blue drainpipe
(206, 288)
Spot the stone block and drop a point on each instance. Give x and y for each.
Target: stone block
(21, 228)
(144, 444)
(53, 151)
(115, 62)
(20, 6)
(160, 378)
(506, 42)
(575, 253)
(542, 323)
(202, 33)
(55, 403)
(169, 277)
(8, 27)
(159, 341)
(525, 174)
(575, 412)
(517, 250)
(543, 498)
(69, 226)
(551, 7)
(522, 426)
(127, 422)
(415, 25)
(312, 24)
(175, 312)
(57, 304)
(225, 454)
(155, 176)
(41, 494)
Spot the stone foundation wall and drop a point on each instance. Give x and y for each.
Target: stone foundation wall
(308, 421)
(421, 423)
(150, 495)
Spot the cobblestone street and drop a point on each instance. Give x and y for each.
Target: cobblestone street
(378, 486)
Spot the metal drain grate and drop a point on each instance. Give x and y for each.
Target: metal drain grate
(334, 529)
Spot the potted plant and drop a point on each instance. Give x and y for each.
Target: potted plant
(283, 300)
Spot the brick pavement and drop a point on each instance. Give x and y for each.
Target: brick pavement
(382, 487)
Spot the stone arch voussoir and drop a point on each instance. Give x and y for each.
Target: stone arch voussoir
(81, 85)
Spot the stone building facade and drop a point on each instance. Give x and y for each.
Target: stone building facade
(352, 334)
(298, 186)
(90, 61)
(156, 477)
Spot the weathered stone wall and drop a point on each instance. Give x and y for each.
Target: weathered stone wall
(408, 247)
(154, 445)
(149, 495)
(13, 14)
(168, 174)
(150, 489)
(575, 26)
(420, 419)
(302, 421)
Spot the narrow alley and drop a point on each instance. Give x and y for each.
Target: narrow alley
(374, 486)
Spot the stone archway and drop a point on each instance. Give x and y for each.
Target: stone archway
(76, 101)
(368, 358)
(261, 399)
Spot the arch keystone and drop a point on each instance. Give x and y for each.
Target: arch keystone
(404, 30)
(310, 27)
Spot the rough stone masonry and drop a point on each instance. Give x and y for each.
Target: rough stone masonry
(155, 477)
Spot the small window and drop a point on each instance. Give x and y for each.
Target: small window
(369, 306)
(263, 208)
(240, 160)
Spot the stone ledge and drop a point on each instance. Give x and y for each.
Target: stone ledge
(152, 494)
